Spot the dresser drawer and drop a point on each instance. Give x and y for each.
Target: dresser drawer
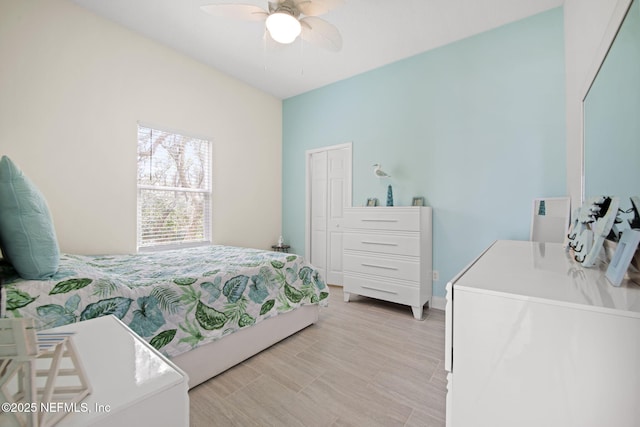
(379, 266)
(383, 243)
(375, 288)
(393, 219)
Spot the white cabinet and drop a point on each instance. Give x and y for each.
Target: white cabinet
(132, 383)
(388, 254)
(533, 338)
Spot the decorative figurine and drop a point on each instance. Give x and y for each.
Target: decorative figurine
(591, 226)
(377, 170)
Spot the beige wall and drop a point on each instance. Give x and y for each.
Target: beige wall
(73, 87)
(589, 29)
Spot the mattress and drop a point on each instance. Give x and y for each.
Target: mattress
(177, 300)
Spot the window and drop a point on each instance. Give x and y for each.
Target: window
(174, 189)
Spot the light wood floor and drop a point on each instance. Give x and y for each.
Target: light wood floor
(365, 363)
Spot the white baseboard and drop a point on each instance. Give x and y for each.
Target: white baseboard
(439, 303)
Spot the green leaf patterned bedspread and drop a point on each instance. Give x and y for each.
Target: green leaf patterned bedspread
(176, 300)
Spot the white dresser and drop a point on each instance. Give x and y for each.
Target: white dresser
(133, 384)
(535, 339)
(388, 254)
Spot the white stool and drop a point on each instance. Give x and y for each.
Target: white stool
(37, 369)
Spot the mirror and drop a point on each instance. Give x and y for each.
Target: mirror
(612, 119)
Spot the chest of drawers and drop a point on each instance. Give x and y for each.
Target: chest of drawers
(388, 254)
(535, 339)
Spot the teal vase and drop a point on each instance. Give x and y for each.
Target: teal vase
(389, 196)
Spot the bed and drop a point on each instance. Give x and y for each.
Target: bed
(206, 308)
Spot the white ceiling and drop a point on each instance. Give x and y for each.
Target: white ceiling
(374, 32)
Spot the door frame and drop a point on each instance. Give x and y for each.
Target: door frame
(307, 189)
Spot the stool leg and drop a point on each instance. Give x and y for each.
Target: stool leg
(31, 396)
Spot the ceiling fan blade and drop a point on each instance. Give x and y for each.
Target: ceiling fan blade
(321, 33)
(244, 12)
(316, 7)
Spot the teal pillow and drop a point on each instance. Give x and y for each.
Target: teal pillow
(27, 237)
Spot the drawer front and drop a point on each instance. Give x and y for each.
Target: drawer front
(385, 267)
(383, 219)
(382, 243)
(383, 290)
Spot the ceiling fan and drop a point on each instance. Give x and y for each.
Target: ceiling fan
(285, 20)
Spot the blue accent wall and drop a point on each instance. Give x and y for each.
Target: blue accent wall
(476, 127)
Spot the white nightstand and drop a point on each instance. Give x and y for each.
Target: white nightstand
(133, 384)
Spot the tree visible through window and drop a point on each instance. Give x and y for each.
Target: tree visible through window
(174, 189)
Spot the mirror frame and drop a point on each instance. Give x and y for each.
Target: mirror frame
(615, 22)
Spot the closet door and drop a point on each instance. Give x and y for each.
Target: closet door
(338, 172)
(328, 193)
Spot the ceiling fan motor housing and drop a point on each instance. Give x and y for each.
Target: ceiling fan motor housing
(286, 6)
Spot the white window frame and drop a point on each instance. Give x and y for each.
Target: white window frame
(207, 223)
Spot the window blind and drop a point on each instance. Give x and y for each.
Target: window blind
(174, 189)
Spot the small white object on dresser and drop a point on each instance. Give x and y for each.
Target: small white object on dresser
(388, 254)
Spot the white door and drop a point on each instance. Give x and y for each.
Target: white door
(329, 192)
(339, 168)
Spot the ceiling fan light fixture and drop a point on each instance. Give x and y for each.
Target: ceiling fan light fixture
(283, 27)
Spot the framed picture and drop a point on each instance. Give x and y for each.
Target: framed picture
(372, 202)
(418, 201)
(622, 257)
